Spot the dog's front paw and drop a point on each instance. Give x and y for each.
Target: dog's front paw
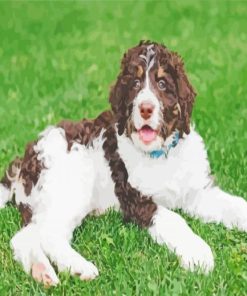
(238, 216)
(89, 272)
(195, 254)
(84, 269)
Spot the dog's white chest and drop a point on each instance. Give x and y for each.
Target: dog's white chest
(160, 178)
(168, 180)
(152, 176)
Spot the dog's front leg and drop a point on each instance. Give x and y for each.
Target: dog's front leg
(170, 229)
(214, 205)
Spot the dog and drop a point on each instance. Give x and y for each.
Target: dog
(142, 157)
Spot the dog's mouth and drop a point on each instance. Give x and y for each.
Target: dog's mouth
(147, 134)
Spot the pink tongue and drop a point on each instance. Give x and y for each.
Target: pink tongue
(147, 134)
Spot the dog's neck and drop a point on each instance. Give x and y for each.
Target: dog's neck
(170, 143)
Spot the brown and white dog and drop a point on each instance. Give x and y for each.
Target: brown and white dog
(143, 158)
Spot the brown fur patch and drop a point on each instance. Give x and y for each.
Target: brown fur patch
(86, 130)
(12, 173)
(30, 168)
(26, 213)
(79, 132)
(136, 207)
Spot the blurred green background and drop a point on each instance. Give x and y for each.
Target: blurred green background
(58, 59)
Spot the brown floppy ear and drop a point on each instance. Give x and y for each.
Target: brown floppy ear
(118, 100)
(186, 93)
(119, 95)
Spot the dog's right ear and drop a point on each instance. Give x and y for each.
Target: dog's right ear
(119, 94)
(116, 91)
(115, 95)
(117, 99)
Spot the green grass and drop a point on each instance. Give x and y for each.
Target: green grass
(57, 61)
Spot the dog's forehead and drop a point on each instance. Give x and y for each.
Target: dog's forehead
(147, 56)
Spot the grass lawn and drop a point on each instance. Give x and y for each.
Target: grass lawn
(57, 60)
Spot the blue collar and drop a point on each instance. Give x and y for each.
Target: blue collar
(166, 149)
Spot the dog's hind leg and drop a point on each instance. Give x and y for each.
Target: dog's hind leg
(46, 238)
(27, 250)
(59, 250)
(62, 197)
(67, 197)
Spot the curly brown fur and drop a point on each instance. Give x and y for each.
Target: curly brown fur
(26, 213)
(86, 130)
(30, 168)
(12, 173)
(136, 207)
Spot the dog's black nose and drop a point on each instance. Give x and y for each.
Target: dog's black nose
(146, 110)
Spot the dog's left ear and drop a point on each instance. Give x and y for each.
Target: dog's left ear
(186, 93)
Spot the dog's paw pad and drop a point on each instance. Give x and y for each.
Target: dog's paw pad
(42, 275)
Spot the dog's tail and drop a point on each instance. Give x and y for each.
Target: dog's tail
(6, 184)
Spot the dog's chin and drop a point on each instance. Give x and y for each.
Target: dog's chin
(147, 146)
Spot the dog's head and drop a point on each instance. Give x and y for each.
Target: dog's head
(152, 96)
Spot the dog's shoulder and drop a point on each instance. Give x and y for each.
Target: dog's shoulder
(86, 130)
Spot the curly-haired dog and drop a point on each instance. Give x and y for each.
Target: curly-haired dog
(142, 157)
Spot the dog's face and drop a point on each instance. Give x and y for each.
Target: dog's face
(152, 96)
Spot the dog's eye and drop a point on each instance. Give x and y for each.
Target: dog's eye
(137, 84)
(161, 84)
